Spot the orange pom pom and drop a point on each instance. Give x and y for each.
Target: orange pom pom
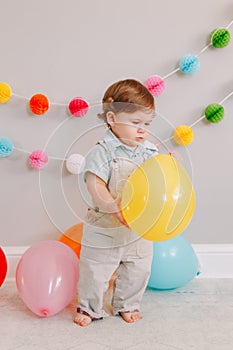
(39, 104)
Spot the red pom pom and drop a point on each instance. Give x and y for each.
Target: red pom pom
(39, 104)
(155, 85)
(78, 107)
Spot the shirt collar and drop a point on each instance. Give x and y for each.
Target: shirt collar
(109, 137)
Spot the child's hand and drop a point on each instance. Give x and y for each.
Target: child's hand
(172, 154)
(176, 155)
(118, 214)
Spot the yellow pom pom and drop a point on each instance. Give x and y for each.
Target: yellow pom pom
(5, 92)
(183, 135)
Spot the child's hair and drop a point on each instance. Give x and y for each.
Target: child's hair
(126, 96)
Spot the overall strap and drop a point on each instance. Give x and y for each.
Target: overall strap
(109, 149)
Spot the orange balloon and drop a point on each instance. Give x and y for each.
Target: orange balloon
(72, 238)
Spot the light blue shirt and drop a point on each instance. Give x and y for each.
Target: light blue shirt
(98, 159)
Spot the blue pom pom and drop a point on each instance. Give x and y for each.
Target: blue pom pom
(189, 64)
(6, 147)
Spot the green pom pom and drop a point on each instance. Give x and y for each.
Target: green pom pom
(220, 37)
(214, 113)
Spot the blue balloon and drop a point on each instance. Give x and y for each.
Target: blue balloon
(174, 264)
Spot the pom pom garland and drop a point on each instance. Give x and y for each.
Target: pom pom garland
(39, 104)
(155, 84)
(183, 135)
(38, 159)
(75, 163)
(5, 92)
(189, 64)
(78, 107)
(6, 147)
(220, 37)
(214, 113)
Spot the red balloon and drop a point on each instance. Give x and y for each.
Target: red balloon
(3, 267)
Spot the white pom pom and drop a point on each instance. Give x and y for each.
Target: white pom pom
(75, 163)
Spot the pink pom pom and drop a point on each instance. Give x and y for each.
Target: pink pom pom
(38, 159)
(78, 107)
(155, 84)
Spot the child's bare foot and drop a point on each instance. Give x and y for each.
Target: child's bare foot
(82, 320)
(131, 317)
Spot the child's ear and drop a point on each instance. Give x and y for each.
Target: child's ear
(111, 118)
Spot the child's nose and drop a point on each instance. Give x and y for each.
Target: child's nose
(141, 129)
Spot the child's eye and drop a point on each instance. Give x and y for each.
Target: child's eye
(135, 122)
(147, 124)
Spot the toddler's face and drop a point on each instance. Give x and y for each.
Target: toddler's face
(131, 128)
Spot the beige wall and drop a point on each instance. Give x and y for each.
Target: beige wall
(77, 48)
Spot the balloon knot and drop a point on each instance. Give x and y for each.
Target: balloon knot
(44, 312)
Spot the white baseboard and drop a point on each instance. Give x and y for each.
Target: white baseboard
(216, 260)
(13, 255)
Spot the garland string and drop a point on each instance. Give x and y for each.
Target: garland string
(161, 142)
(97, 102)
(200, 119)
(165, 77)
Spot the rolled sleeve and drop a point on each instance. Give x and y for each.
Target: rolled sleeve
(97, 162)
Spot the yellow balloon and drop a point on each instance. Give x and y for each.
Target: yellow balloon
(158, 199)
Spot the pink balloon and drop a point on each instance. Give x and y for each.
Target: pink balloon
(47, 276)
